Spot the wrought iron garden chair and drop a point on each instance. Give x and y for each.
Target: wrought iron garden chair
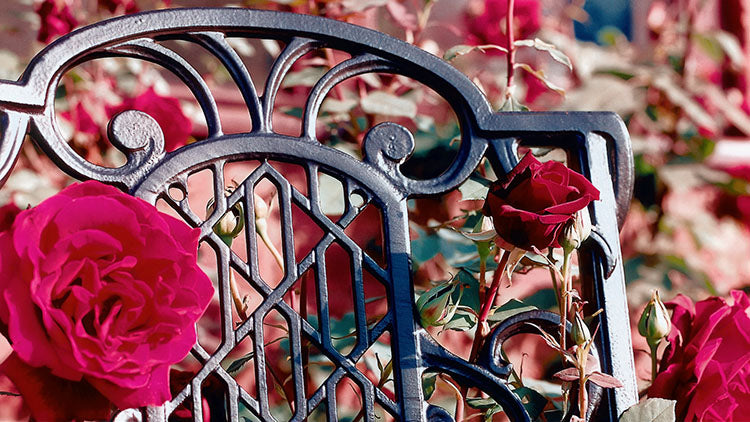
(597, 144)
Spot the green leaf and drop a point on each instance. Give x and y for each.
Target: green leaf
(481, 403)
(235, 366)
(540, 45)
(462, 321)
(470, 296)
(539, 74)
(508, 309)
(650, 410)
(461, 49)
(512, 104)
(473, 189)
(428, 384)
(532, 401)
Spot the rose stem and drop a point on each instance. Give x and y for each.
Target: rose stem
(555, 285)
(653, 348)
(489, 299)
(582, 397)
(303, 314)
(511, 50)
(566, 297)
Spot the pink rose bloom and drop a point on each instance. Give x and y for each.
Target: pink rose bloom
(484, 24)
(165, 110)
(101, 292)
(705, 368)
(56, 19)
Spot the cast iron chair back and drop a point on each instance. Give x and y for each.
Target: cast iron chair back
(596, 142)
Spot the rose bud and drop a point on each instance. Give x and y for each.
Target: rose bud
(231, 224)
(580, 332)
(655, 323)
(576, 230)
(434, 305)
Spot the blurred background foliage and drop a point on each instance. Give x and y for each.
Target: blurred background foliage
(675, 71)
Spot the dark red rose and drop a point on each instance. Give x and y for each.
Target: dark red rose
(706, 366)
(530, 204)
(56, 19)
(165, 110)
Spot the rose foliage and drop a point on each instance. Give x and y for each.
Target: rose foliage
(100, 296)
(705, 368)
(530, 205)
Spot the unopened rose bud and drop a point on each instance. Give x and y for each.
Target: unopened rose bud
(580, 332)
(434, 305)
(231, 224)
(654, 323)
(576, 230)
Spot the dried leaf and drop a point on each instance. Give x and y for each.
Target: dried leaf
(402, 15)
(604, 380)
(568, 374)
(461, 49)
(539, 74)
(650, 410)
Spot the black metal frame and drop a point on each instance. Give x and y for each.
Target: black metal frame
(597, 142)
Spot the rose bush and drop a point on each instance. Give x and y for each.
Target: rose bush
(705, 368)
(530, 204)
(102, 290)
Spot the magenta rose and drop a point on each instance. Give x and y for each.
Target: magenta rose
(165, 110)
(56, 19)
(706, 366)
(99, 288)
(530, 204)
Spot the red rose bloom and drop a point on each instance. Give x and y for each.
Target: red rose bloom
(705, 368)
(56, 19)
(165, 110)
(530, 204)
(99, 289)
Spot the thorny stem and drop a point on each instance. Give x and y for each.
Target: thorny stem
(489, 299)
(511, 50)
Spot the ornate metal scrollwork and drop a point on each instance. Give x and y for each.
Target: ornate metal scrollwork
(597, 141)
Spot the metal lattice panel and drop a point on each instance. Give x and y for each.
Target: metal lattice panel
(598, 143)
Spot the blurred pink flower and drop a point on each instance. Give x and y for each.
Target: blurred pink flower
(165, 110)
(56, 19)
(485, 21)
